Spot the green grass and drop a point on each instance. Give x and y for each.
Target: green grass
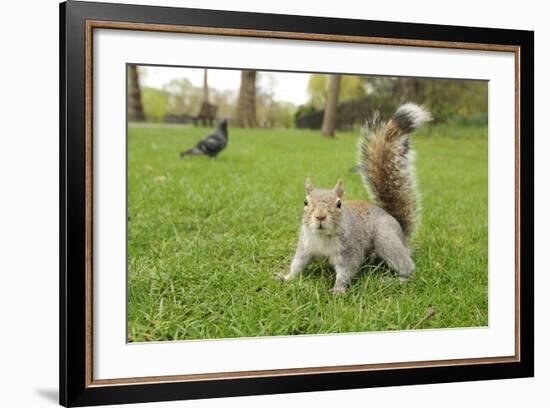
(206, 237)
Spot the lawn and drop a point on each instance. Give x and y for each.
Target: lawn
(206, 237)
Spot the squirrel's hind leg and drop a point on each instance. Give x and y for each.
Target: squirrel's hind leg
(391, 248)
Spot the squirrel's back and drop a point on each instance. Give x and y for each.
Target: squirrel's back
(386, 163)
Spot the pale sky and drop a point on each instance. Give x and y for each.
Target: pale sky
(289, 87)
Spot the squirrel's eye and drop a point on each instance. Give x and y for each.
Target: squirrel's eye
(305, 202)
(339, 204)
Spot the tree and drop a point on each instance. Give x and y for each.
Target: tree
(135, 107)
(207, 112)
(329, 117)
(205, 87)
(246, 106)
(351, 87)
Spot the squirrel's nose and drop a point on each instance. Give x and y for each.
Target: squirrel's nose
(321, 217)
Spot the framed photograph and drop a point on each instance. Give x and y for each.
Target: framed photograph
(257, 204)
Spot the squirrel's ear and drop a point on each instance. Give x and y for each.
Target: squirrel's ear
(309, 185)
(339, 188)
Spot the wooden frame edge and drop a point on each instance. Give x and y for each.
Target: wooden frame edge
(517, 199)
(89, 205)
(291, 35)
(231, 375)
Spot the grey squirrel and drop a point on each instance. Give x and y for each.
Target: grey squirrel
(349, 232)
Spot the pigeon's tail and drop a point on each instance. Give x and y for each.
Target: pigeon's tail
(195, 151)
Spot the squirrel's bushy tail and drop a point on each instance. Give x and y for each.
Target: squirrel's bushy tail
(386, 163)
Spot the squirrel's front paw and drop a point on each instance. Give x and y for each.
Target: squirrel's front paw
(281, 277)
(337, 290)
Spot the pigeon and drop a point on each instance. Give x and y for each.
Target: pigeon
(212, 144)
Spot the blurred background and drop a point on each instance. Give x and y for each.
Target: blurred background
(261, 99)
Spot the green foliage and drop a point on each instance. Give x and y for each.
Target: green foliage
(273, 114)
(304, 110)
(206, 236)
(281, 114)
(155, 102)
(451, 98)
(458, 101)
(351, 87)
(317, 90)
(285, 114)
(180, 97)
(225, 101)
(183, 97)
(445, 98)
(270, 112)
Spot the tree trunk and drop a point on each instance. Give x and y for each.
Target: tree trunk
(135, 106)
(246, 107)
(418, 91)
(205, 87)
(329, 117)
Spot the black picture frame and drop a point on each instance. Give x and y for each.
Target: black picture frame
(75, 387)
